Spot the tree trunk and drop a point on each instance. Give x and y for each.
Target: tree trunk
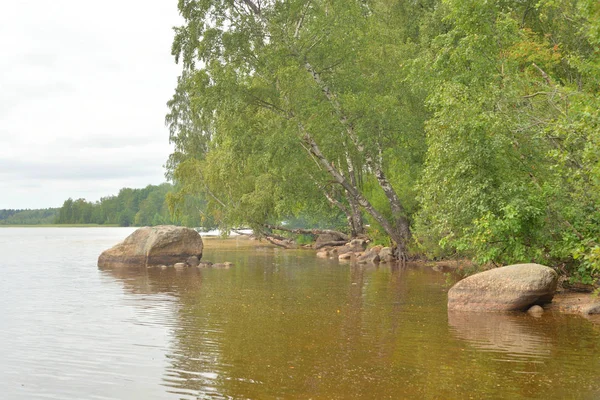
(356, 216)
(400, 236)
(399, 228)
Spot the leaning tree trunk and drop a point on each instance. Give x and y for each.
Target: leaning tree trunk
(399, 227)
(355, 214)
(399, 231)
(357, 223)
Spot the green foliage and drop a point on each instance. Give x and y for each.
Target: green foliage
(28, 217)
(512, 163)
(131, 207)
(483, 117)
(254, 85)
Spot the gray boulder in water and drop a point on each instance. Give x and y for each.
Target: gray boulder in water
(153, 246)
(510, 288)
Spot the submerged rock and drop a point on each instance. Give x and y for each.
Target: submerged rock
(223, 265)
(510, 288)
(193, 261)
(323, 254)
(150, 246)
(535, 310)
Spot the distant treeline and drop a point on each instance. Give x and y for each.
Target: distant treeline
(28, 217)
(131, 207)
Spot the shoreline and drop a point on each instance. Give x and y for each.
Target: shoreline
(67, 226)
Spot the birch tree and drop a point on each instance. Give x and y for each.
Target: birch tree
(295, 98)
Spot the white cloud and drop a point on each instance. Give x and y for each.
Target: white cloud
(83, 88)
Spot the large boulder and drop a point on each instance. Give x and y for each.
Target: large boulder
(153, 246)
(510, 288)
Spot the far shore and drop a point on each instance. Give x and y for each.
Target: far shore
(63, 226)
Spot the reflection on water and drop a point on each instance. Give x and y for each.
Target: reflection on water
(515, 334)
(279, 324)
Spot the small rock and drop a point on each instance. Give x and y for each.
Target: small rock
(535, 310)
(357, 245)
(344, 249)
(180, 265)
(192, 261)
(323, 254)
(386, 254)
(369, 256)
(591, 309)
(205, 264)
(345, 256)
(228, 264)
(376, 249)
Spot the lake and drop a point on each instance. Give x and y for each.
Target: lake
(279, 324)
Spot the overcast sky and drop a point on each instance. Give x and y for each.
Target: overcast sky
(83, 92)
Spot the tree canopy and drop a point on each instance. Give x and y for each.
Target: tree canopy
(451, 127)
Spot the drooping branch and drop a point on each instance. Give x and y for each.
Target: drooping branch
(333, 243)
(286, 244)
(208, 191)
(299, 231)
(335, 202)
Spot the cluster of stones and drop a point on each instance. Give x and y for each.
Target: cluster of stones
(194, 262)
(356, 250)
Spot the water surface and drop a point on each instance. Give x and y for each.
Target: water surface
(280, 324)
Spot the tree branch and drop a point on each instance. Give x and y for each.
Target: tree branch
(255, 9)
(544, 74)
(299, 231)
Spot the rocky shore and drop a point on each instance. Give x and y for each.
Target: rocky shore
(521, 287)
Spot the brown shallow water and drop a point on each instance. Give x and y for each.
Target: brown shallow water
(278, 325)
